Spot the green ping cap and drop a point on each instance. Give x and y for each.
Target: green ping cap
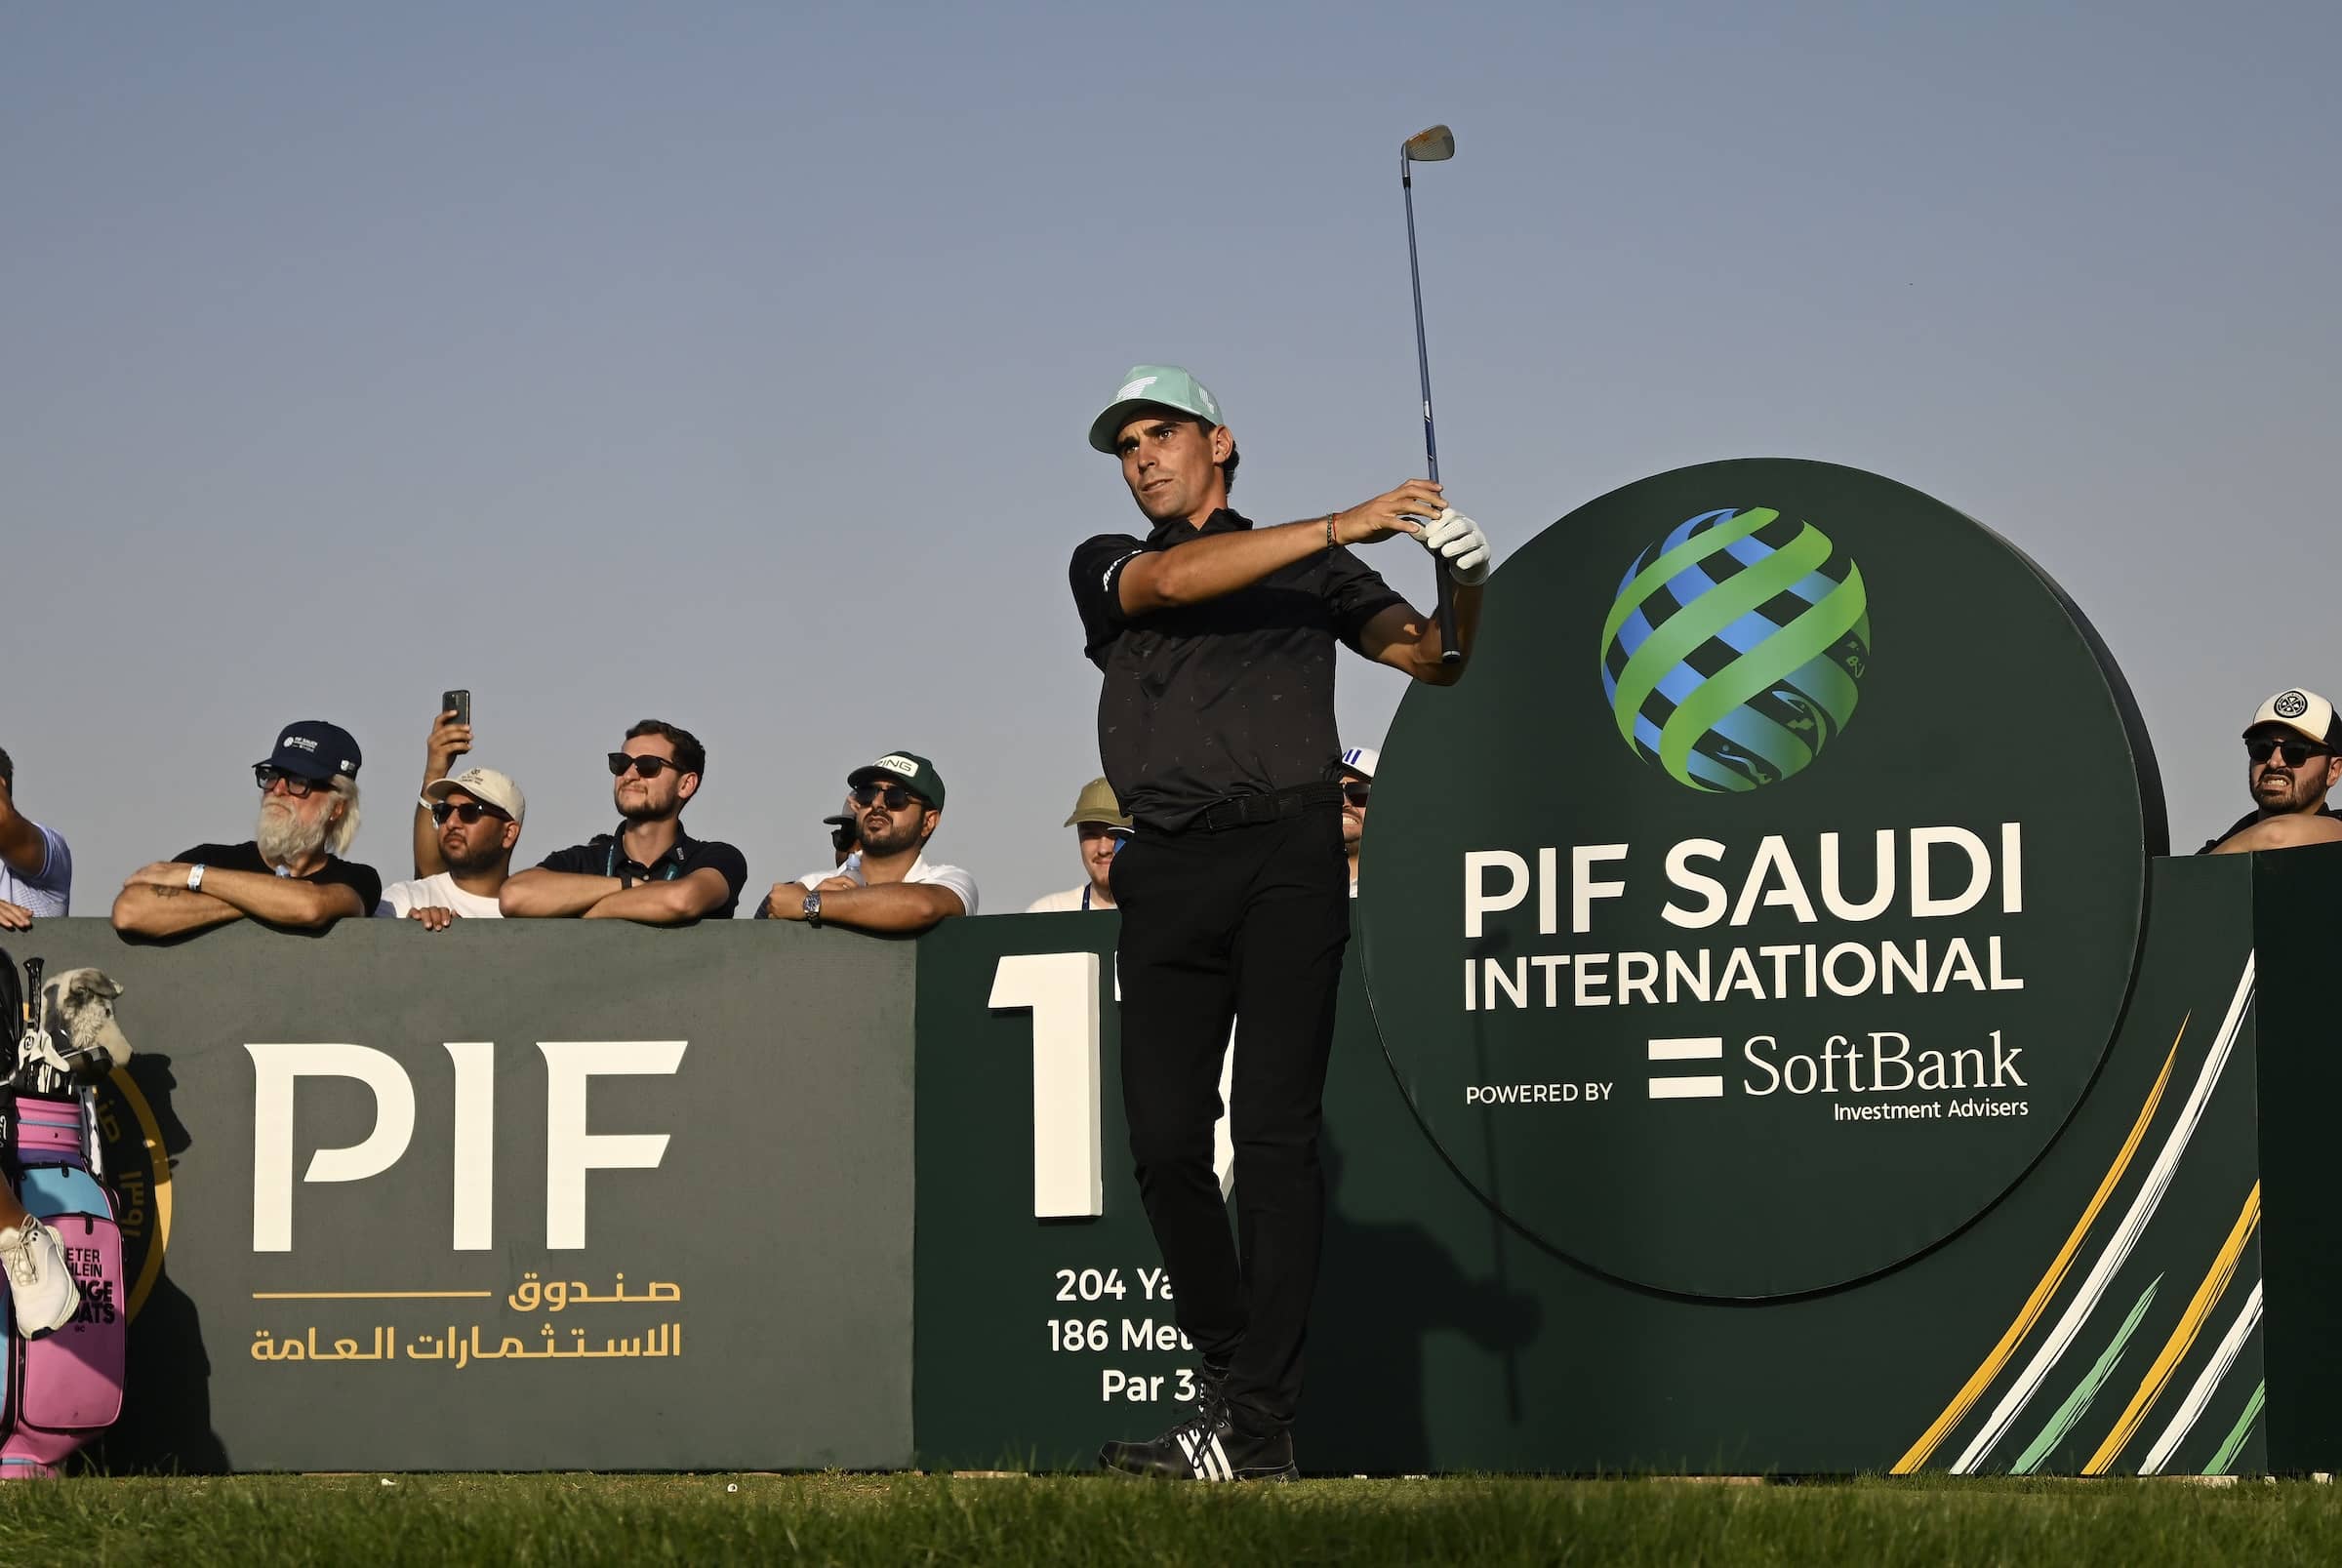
(907, 769)
(1153, 386)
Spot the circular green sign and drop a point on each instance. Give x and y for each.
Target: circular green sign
(1723, 949)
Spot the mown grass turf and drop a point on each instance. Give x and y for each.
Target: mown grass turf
(593, 1520)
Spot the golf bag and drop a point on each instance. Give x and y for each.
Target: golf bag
(62, 1390)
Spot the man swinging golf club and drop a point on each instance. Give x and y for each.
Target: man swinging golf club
(1215, 727)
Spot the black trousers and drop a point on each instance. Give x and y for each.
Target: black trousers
(1248, 922)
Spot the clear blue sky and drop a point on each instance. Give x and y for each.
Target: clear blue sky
(731, 363)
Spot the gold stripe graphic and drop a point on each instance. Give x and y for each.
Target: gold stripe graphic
(370, 1295)
(2044, 1293)
(2183, 1335)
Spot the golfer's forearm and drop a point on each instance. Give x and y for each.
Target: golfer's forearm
(1208, 568)
(1430, 661)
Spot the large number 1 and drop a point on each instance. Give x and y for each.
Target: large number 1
(1069, 1166)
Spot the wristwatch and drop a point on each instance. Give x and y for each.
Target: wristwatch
(813, 907)
(195, 879)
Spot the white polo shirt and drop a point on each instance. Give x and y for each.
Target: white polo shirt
(922, 869)
(1079, 898)
(403, 899)
(46, 894)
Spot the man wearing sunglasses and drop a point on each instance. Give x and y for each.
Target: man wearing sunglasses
(1357, 788)
(289, 873)
(888, 884)
(2293, 757)
(477, 815)
(1217, 641)
(646, 870)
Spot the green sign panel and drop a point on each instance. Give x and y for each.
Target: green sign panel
(1762, 906)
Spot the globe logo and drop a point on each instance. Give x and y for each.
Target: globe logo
(1735, 649)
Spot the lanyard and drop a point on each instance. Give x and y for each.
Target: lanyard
(672, 858)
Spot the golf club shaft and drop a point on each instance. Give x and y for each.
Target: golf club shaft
(1450, 649)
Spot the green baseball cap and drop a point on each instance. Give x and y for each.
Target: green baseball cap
(1153, 386)
(907, 769)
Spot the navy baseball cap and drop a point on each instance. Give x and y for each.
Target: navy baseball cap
(315, 750)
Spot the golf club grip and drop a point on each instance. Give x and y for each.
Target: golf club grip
(1450, 651)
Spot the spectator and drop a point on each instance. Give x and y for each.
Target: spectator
(888, 884)
(845, 836)
(36, 869)
(288, 873)
(477, 814)
(2293, 755)
(646, 870)
(1358, 785)
(1100, 828)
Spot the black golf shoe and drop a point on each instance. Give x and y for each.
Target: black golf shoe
(1205, 1447)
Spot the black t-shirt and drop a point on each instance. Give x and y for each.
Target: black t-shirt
(2247, 820)
(246, 856)
(1231, 697)
(605, 855)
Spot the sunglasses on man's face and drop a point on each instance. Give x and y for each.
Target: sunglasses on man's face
(648, 767)
(469, 811)
(894, 797)
(2295, 752)
(1357, 795)
(268, 778)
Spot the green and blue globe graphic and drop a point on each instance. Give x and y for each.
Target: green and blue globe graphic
(1735, 648)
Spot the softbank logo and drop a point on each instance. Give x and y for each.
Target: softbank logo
(1687, 1086)
(570, 1150)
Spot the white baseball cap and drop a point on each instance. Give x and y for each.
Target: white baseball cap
(481, 784)
(1361, 760)
(2304, 713)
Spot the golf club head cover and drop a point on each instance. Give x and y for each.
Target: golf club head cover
(81, 1008)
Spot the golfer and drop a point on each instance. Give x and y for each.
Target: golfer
(1215, 727)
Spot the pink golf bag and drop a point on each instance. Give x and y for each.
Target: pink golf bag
(63, 1388)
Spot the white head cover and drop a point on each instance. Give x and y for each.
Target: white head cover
(1361, 760)
(2304, 713)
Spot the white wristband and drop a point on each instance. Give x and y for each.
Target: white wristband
(195, 879)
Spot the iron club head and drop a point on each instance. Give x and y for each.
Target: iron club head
(1430, 146)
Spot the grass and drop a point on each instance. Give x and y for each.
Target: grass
(854, 1519)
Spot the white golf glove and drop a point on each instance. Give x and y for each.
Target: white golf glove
(1458, 539)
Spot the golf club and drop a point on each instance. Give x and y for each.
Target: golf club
(1434, 146)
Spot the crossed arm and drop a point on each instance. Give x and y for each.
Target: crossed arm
(891, 907)
(155, 901)
(543, 893)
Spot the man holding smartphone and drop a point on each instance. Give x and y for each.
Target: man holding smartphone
(466, 826)
(646, 870)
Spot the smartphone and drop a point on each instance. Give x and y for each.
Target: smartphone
(456, 703)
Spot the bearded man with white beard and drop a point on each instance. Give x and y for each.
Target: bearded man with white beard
(289, 873)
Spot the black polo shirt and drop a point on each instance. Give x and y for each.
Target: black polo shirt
(605, 855)
(1231, 697)
(363, 880)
